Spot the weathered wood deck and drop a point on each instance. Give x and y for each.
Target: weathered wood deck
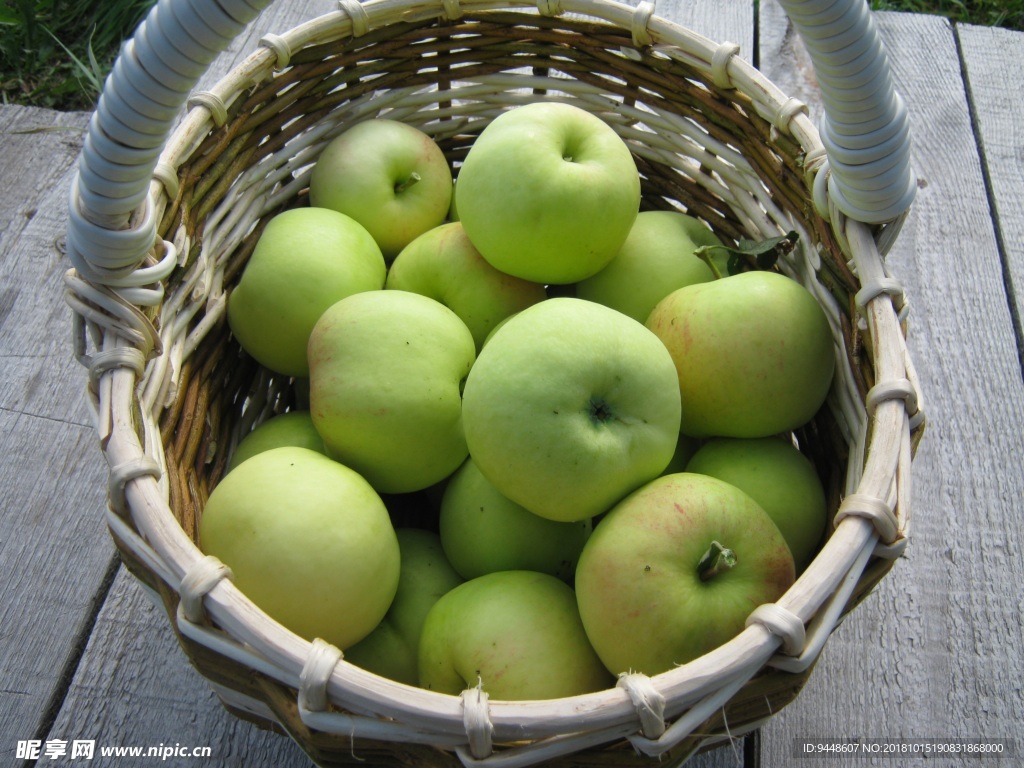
(937, 651)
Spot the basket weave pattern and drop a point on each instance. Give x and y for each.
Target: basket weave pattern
(174, 393)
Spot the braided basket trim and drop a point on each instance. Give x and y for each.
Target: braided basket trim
(131, 408)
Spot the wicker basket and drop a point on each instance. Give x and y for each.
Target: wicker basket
(173, 393)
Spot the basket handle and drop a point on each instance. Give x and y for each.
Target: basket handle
(110, 227)
(111, 230)
(865, 128)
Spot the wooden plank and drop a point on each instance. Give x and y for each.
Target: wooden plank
(726, 21)
(936, 651)
(40, 375)
(135, 688)
(54, 557)
(37, 147)
(994, 64)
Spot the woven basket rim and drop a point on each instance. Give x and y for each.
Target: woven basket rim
(206, 596)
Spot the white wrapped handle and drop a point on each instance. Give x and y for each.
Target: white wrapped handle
(110, 229)
(865, 130)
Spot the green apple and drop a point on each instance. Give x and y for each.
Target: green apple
(386, 370)
(516, 633)
(443, 264)
(293, 428)
(389, 176)
(305, 260)
(656, 258)
(391, 650)
(307, 540)
(548, 192)
(754, 354)
(483, 531)
(781, 479)
(569, 407)
(674, 570)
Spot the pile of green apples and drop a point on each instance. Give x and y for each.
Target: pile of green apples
(597, 424)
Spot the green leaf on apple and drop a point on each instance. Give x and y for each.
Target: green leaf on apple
(760, 253)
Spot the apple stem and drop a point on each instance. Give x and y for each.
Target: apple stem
(715, 561)
(401, 186)
(704, 254)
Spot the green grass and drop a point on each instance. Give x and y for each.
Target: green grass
(993, 13)
(56, 53)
